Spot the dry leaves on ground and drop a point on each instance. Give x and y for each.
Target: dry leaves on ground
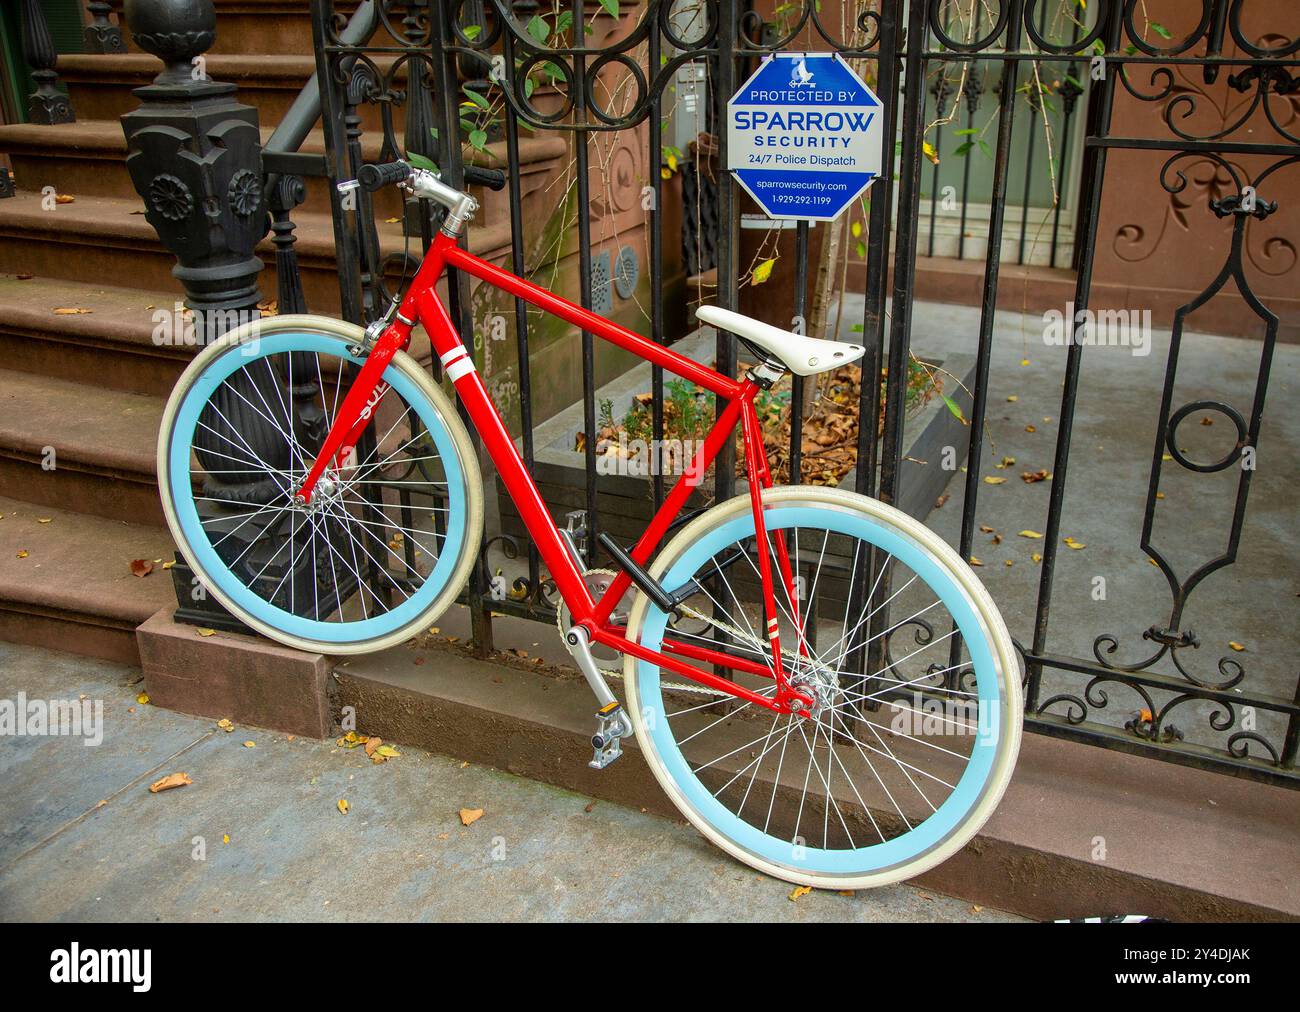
(141, 567)
(469, 816)
(170, 781)
(798, 891)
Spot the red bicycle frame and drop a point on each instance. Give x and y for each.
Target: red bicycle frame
(422, 305)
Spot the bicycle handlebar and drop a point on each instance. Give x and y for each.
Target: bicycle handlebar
(376, 177)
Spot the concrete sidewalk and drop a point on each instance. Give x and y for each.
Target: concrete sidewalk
(82, 838)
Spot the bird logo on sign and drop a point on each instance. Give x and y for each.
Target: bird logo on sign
(801, 76)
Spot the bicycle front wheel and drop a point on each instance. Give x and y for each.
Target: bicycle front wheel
(389, 537)
(915, 722)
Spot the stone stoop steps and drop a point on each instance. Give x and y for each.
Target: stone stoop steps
(92, 384)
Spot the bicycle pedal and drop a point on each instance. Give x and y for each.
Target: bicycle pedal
(611, 726)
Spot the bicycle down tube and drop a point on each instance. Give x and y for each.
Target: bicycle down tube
(422, 305)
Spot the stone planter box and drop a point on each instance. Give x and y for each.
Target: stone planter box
(624, 502)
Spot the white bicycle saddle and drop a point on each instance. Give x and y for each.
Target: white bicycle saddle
(803, 356)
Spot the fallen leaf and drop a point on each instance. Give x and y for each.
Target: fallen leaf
(1008, 562)
(941, 500)
(1030, 428)
(64, 198)
(168, 565)
(142, 698)
(141, 567)
(1012, 399)
(589, 807)
(343, 806)
(1024, 361)
(1236, 646)
(1005, 462)
(225, 725)
(464, 764)
(1031, 477)
(1036, 557)
(387, 751)
(1071, 543)
(22, 553)
(1029, 534)
(250, 744)
(975, 562)
(990, 479)
(204, 631)
(71, 311)
(44, 520)
(372, 744)
(846, 892)
(170, 781)
(225, 837)
(798, 891)
(469, 816)
(986, 528)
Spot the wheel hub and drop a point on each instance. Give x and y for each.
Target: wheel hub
(329, 489)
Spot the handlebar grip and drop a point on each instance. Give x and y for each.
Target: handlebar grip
(376, 177)
(493, 179)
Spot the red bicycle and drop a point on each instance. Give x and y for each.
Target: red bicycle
(325, 490)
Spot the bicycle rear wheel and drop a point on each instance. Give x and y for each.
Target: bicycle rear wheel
(915, 725)
(388, 539)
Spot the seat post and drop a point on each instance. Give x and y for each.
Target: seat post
(767, 372)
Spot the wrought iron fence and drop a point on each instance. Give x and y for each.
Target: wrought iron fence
(476, 78)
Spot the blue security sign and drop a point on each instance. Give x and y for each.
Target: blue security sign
(804, 136)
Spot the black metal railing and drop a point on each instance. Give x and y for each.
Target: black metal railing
(477, 79)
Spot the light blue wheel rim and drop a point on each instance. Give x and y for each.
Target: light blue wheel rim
(205, 557)
(876, 857)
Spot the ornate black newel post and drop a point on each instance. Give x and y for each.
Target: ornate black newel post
(101, 35)
(194, 155)
(46, 105)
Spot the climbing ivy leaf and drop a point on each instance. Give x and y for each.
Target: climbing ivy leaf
(420, 162)
(539, 29)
